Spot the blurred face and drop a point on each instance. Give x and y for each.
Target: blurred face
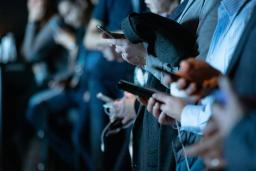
(94, 2)
(159, 6)
(72, 13)
(39, 6)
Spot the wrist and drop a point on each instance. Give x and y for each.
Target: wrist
(33, 19)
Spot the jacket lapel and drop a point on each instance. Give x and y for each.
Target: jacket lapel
(240, 47)
(186, 9)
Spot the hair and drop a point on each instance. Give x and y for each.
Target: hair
(88, 8)
(51, 9)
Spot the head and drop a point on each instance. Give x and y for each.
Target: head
(161, 6)
(94, 2)
(73, 12)
(47, 7)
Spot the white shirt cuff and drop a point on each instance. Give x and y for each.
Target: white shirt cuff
(194, 118)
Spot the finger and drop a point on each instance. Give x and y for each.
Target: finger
(182, 84)
(124, 56)
(167, 79)
(151, 103)
(118, 49)
(185, 65)
(210, 128)
(120, 42)
(161, 97)
(199, 149)
(203, 147)
(218, 113)
(156, 110)
(164, 119)
(143, 100)
(126, 119)
(192, 89)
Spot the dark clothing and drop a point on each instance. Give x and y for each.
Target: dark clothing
(103, 77)
(165, 38)
(242, 66)
(242, 72)
(39, 46)
(50, 107)
(152, 146)
(242, 139)
(112, 12)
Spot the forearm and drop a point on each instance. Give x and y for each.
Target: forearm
(37, 44)
(28, 40)
(93, 39)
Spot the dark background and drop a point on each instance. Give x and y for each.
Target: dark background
(17, 83)
(13, 16)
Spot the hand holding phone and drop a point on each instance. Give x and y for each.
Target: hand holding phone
(174, 76)
(108, 35)
(136, 90)
(202, 89)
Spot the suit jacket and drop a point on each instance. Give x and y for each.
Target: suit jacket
(152, 143)
(200, 17)
(242, 72)
(242, 139)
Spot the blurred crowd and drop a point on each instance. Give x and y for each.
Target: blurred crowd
(144, 85)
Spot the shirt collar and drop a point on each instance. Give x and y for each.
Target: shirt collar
(233, 6)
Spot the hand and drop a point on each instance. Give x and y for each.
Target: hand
(36, 10)
(210, 148)
(110, 54)
(154, 108)
(224, 119)
(142, 100)
(231, 112)
(198, 77)
(65, 39)
(134, 54)
(162, 103)
(125, 108)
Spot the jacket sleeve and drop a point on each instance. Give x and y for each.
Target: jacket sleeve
(37, 44)
(240, 146)
(152, 62)
(207, 22)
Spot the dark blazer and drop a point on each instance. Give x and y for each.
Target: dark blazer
(242, 72)
(152, 143)
(242, 139)
(242, 68)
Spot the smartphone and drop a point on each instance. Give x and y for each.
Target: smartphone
(109, 34)
(175, 77)
(103, 30)
(136, 90)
